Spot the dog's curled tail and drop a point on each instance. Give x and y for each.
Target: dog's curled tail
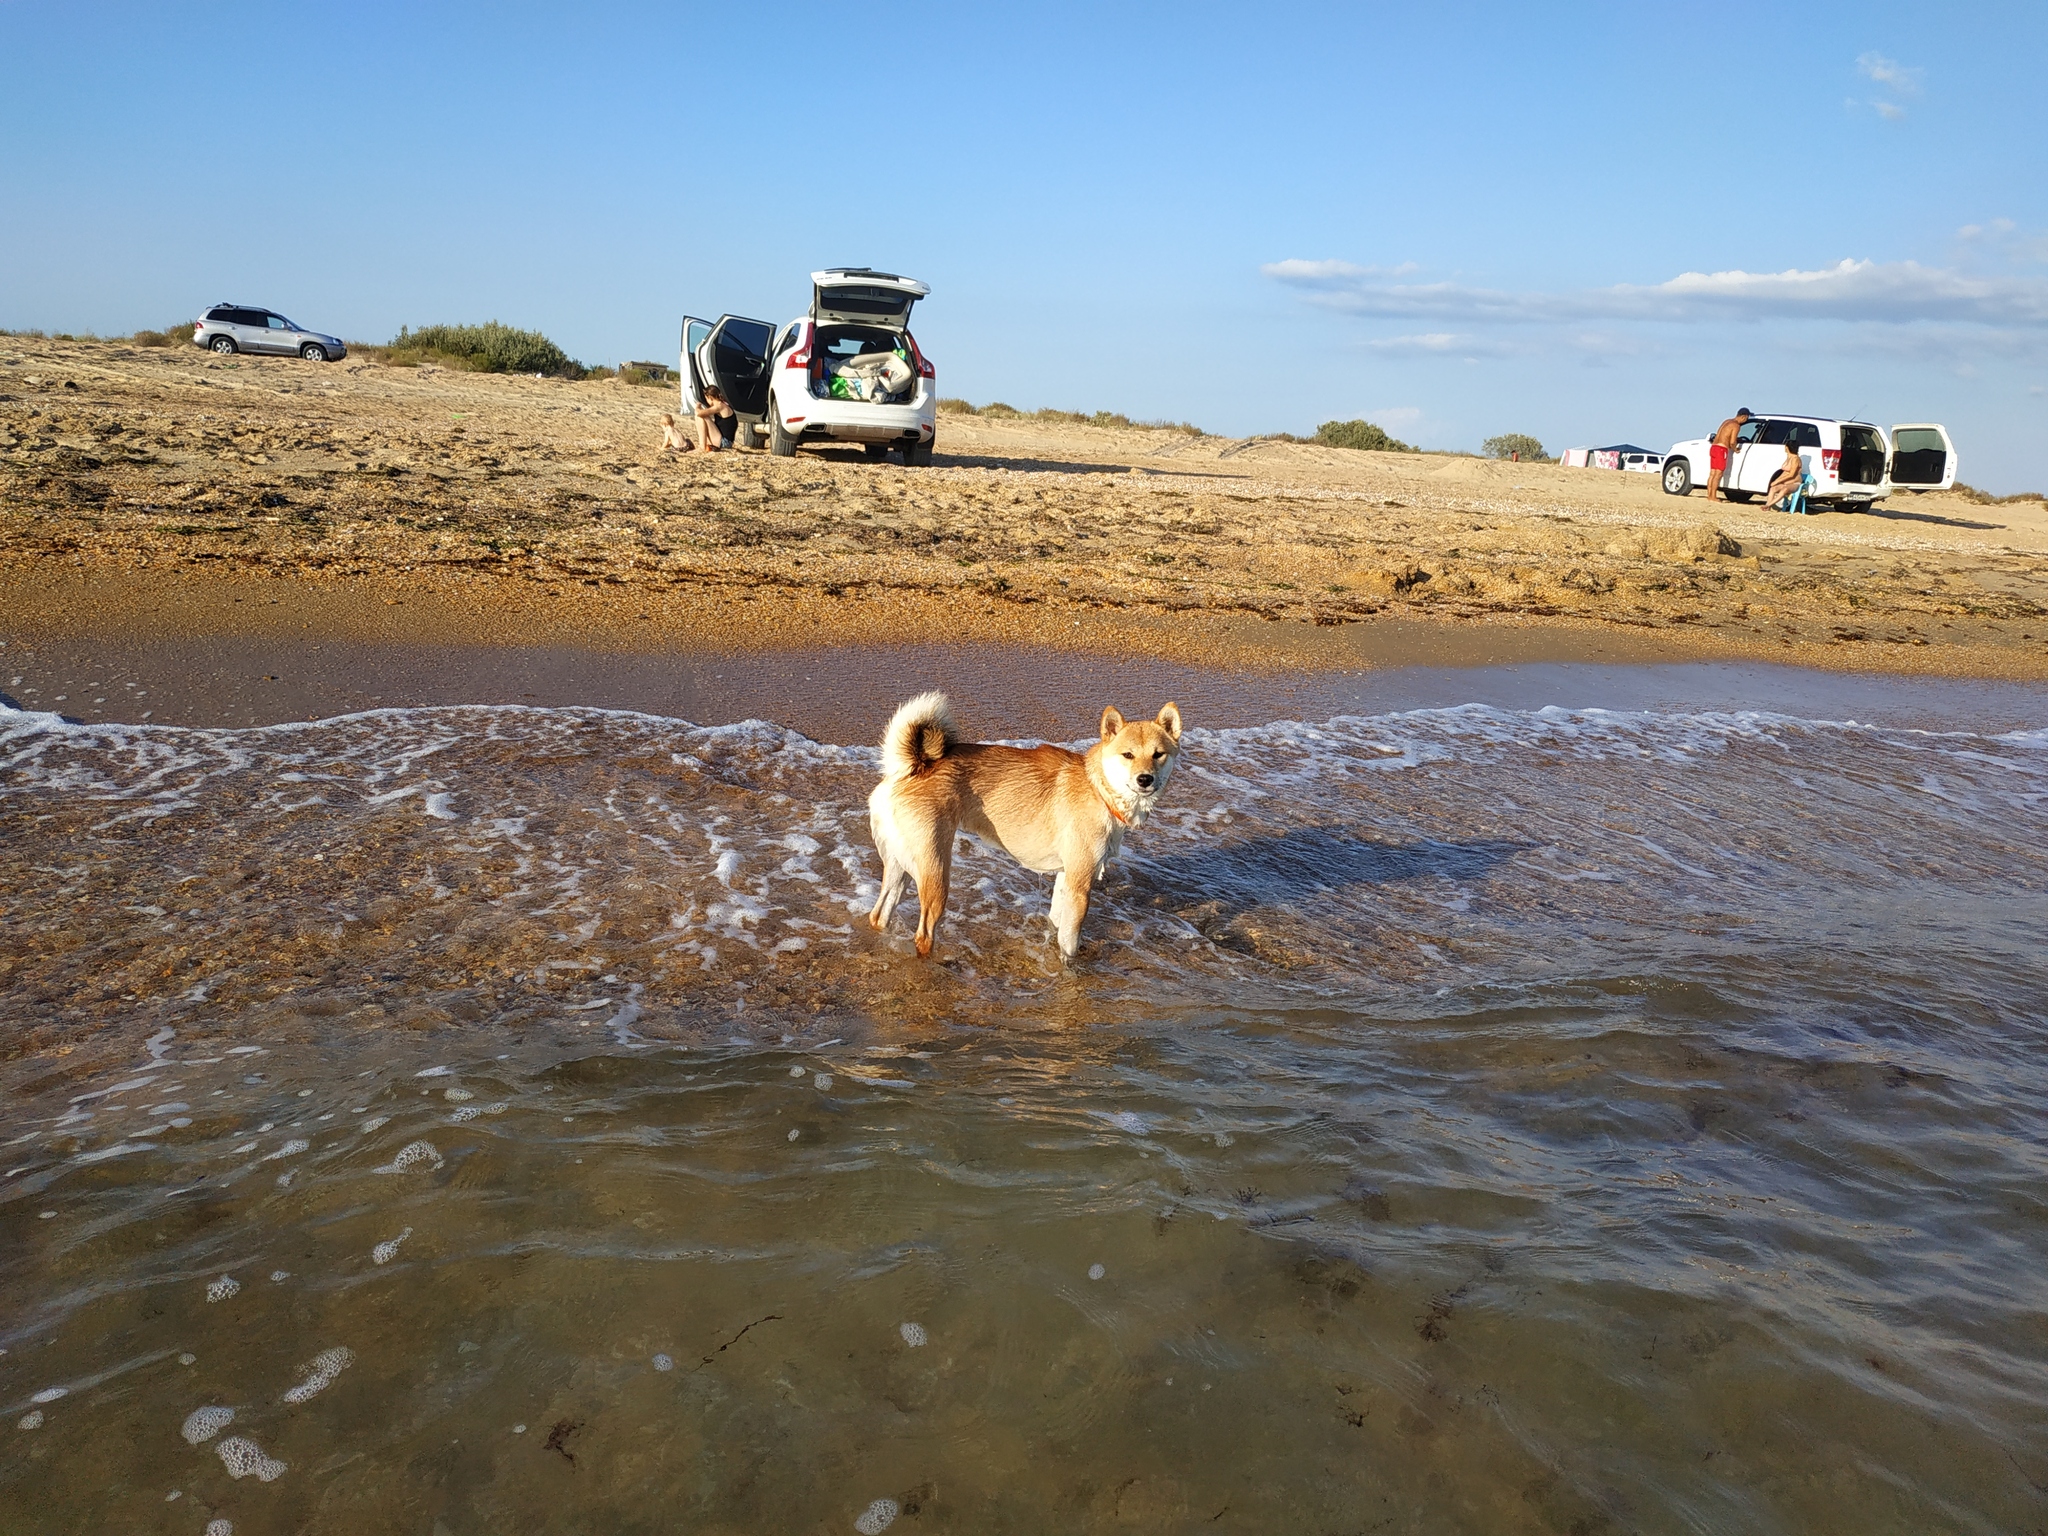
(918, 735)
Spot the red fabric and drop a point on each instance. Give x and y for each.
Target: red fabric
(1720, 458)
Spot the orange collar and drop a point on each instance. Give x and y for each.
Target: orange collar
(1107, 804)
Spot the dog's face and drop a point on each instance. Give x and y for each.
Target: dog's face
(1138, 755)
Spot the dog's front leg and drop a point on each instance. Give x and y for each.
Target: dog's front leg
(1069, 906)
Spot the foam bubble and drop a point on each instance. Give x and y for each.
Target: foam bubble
(220, 1528)
(1096, 1271)
(50, 1394)
(202, 1424)
(245, 1458)
(412, 1155)
(188, 1359)
(664, 1363)
(325, 1366)
(435, 1072)
(794, 1134)
(914, 1335)
(467, 1113)
(384, 1253)
(821, 1081)
(33, 1419)
(223, 1288)
(277, 1275)
(796, 1071)
(291, 1148)
(458, 1095)
(878, 1517)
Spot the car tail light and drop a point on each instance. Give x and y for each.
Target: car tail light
(1831, 461)
(801, 357)
(924, 369)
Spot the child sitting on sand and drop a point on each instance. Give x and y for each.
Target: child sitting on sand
(672, 439)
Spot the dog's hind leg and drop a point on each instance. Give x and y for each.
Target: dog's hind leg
(1070, 905)
(894, 878)
(934, 875)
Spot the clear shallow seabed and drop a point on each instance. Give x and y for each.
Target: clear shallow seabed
(1459, 1120)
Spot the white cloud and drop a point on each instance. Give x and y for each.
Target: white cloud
(1880, 292)
(1891, 112)
(1890, 72)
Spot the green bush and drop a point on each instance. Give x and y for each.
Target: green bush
(1360, 434)
(169, 336)
(487, 348)
(953, 405)
(1515, 444)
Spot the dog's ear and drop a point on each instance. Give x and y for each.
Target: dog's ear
(1112, 722)
(1169, 719)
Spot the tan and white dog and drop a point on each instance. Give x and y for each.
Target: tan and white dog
(1059, 812)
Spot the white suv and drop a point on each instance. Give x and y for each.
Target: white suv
(849, 371)
(1852, 462)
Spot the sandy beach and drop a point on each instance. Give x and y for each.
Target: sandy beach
(159, 493)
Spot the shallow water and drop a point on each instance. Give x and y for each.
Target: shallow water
(1459, 1119)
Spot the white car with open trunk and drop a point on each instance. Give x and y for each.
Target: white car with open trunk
(847, 372)
(1852, 462)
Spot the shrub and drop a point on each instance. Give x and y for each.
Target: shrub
(953, 405)
(487, 348)
(1515, 444)
(169, 336)
(1000, 411)
(1986, 499)
(1362, 435)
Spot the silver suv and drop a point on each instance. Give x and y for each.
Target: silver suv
(237, 328)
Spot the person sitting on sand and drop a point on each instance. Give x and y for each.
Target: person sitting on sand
(672, 439)
(1791, 475)
(715, 416)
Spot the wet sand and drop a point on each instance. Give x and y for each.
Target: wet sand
(168, 491)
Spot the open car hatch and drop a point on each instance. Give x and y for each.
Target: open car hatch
(1923, 457)
(863, 296)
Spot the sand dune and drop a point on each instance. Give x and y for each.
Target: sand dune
(519, 497)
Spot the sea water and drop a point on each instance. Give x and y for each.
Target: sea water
(1468, 1119)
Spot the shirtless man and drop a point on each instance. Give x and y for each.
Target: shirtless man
(1724, 445)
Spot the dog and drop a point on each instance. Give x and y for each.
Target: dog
(1059, 812)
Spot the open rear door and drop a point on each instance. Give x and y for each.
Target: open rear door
(695, 333)
(1923, 458)
(734, 356)
(863, 296)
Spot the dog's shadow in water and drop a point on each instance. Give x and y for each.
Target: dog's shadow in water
(1303, 862)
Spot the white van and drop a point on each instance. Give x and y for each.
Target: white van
(1852, 462)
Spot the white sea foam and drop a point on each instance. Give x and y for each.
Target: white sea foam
(458, 1095)
(664, 1363)
(414, 1154)
(386, 1251)
(50, 1394)
(202, 1424)
(324, 1367)
(913, 1335)
(244, 1458)
(877, 1517)
(33, 1419)
(220, 1528)
(223, 1288)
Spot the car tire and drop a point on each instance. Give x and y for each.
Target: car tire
(313, 352)
(224, 345)
(781, 441)
(918, 455)
(750, 435)
(1678, 478)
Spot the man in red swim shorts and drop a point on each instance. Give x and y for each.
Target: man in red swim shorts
(1724, 445)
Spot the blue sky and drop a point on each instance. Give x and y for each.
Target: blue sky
(1593, 224)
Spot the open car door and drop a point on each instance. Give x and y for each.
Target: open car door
(863, 296)
(695, 333)
(734, 356)
(1923, 458)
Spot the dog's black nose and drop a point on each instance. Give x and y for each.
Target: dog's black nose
(1144, 781)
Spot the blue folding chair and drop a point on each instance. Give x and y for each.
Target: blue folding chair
(1796, 502)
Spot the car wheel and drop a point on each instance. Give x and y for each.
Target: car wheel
(223, 345)
(312, 352)
(1678, 478)
(750, 435)
(781, 441)
(918, 455)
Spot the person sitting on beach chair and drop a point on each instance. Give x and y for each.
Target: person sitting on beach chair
(1786, 483)
(715, 418)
